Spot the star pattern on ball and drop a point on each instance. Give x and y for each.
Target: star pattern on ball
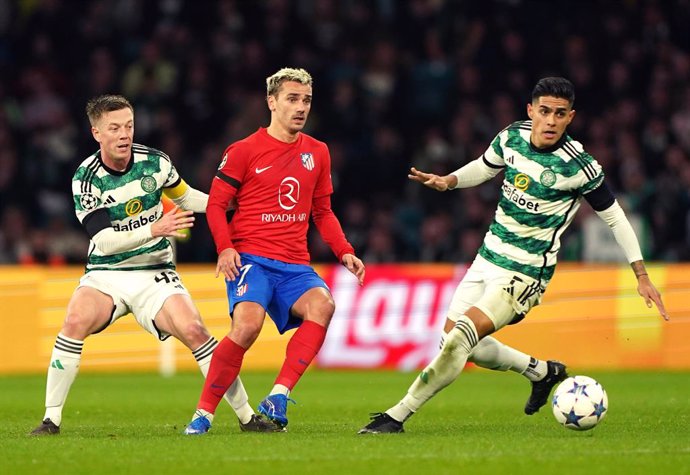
(578, 388)
(572, 419)
(599, 409)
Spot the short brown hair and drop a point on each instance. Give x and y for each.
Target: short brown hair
(98, 106)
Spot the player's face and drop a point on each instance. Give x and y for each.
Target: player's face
(550, 117)
(115, 132)
(290, 107)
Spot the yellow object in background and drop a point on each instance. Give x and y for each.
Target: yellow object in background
(591, 318)
(169, 204)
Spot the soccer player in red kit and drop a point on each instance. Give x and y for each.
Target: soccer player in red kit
(277, 178)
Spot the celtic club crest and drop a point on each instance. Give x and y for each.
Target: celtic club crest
(547, 178)
(148, 184)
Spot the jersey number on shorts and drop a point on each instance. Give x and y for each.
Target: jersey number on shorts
(243, 272)
(167, 277)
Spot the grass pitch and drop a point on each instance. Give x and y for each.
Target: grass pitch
(132, 424)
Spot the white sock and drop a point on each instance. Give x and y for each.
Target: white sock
(442, 371)
(202, 413)
(536, 369)
(492, 354)
(236, 395)
(63, 369)
(280, 389)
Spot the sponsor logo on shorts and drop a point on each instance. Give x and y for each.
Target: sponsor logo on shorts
(241, 290)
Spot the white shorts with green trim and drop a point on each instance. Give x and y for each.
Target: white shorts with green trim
(141, 292)
(505, 296)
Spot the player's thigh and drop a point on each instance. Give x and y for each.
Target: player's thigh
(316, 304)
(151, 291)
(180, 318)
(88, 311)
(301, 294)
(508, 297)
(100, 299)
(467, 293)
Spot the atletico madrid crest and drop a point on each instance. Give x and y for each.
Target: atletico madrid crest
(307, 161)
(241, 289)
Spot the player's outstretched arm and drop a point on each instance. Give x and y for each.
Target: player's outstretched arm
(355, 265)
(172, 222)
(646, 289)
(436, 182)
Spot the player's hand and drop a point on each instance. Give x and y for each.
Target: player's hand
(355, 265)
(229, 264)
(172, 222)
(435, 182)
(650, 294)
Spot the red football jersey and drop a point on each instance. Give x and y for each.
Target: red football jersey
(275, 185)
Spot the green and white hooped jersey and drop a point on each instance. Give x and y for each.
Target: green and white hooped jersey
(541, 192)
(132, 199)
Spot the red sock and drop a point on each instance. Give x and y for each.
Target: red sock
(222, 372)
(301, 350)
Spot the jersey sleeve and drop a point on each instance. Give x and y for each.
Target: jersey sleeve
(324, 185)
(591, 172)
(493, 156)
(223, 189)
(234, 163)
(86, 193)
(173, 178)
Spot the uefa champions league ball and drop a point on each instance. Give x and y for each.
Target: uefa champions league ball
(579, 403)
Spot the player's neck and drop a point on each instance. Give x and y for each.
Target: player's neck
(281, 134)
(115, 164)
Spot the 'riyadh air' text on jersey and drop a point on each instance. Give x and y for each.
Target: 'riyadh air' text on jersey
(278, 186)
(132, 199)
(541, 192)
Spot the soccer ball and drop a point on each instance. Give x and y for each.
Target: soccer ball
(579, 403)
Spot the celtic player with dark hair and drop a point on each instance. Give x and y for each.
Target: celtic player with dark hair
(546, 176)
(117, 198)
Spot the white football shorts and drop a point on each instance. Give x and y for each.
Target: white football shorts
(141, 292)
(505, 296)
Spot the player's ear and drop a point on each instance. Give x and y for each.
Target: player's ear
(271, 101)
(529, 110)
(96, 134)
(571, 116)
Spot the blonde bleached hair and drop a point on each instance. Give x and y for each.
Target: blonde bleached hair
(274, 82)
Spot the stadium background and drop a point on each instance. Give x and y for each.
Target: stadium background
(397, 83)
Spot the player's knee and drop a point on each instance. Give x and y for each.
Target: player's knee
(321, 310)
(462, 338)
(195, 333)
(78, 325)
(245, 333)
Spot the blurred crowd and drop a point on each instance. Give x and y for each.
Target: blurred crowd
(397, 83)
